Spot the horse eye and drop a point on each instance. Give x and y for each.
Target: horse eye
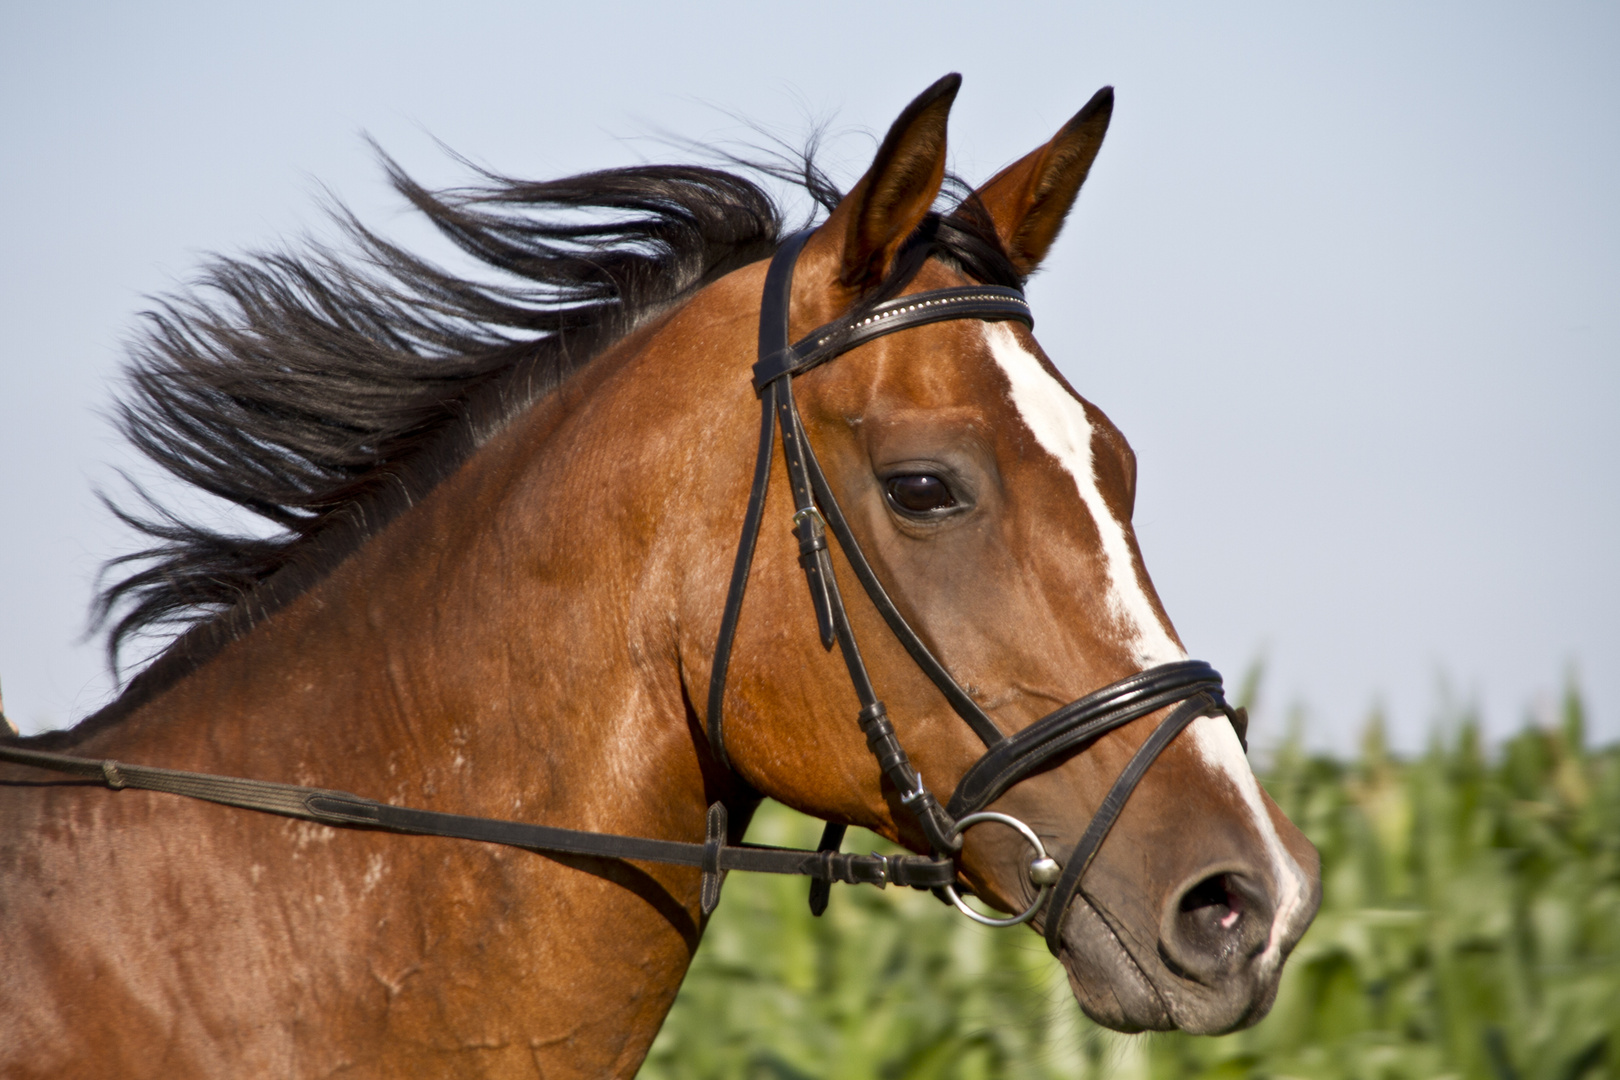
(919, 493)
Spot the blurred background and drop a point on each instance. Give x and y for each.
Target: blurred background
(1470, 927)
(1347, 277)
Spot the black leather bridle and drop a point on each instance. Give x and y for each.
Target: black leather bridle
(1193, 687)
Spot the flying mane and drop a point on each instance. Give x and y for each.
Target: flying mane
(326, 392)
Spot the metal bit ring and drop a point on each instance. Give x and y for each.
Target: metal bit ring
(1043, 871)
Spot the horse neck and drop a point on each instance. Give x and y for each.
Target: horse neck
(472, 656)
(515, 645)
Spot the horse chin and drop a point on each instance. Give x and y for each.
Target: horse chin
(1127, 993)
(1108, 983)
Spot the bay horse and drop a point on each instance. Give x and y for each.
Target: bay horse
(507, 515)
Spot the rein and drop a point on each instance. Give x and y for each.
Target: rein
(1191, 685)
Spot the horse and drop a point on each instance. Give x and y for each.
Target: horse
(505, 538)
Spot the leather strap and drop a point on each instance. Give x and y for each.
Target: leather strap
(873, 720)
(960, 702)
(714, 842)
(832, 838)
(841, 335)
(1075, 725)
(773, 329)
(342, 809)
(1079, 861)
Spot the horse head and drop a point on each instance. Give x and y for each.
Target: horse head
(994, 505)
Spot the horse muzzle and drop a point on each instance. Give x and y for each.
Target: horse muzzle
(1207, 955)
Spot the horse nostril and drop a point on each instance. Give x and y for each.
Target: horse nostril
(1216, 925)
(1210, 910)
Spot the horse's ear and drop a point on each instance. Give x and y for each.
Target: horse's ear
(894, 196)
(1028, 200)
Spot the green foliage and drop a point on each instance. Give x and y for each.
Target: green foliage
(1470, 928)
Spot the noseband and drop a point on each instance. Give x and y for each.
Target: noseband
(1191, 685)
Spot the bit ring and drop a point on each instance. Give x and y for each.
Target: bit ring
(1043, 871)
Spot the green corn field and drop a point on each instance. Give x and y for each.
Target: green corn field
(1470, 927)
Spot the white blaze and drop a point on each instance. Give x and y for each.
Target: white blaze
(1060, 426)
(1218, 745)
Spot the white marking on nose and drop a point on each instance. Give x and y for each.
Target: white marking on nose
(1059, 424)
(1218, 745)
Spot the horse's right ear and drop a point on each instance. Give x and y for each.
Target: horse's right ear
(875, 218)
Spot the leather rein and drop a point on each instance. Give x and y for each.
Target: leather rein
(1192, 686)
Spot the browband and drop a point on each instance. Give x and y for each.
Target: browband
(901, 313)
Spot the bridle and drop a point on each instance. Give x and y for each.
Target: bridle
(1193, 687)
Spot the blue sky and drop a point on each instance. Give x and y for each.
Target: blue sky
(1347, 278)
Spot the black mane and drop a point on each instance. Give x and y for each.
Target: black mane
(325, 392)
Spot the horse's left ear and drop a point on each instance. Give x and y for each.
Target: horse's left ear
(1028, 200)
(867, 228)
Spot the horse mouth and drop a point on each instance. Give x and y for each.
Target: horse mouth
(1110, 986)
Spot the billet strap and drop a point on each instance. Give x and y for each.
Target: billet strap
(808, 529)
(1079, 861)
(342, 809)
(832, 838)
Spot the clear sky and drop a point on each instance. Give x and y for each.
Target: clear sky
(1348, 277)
